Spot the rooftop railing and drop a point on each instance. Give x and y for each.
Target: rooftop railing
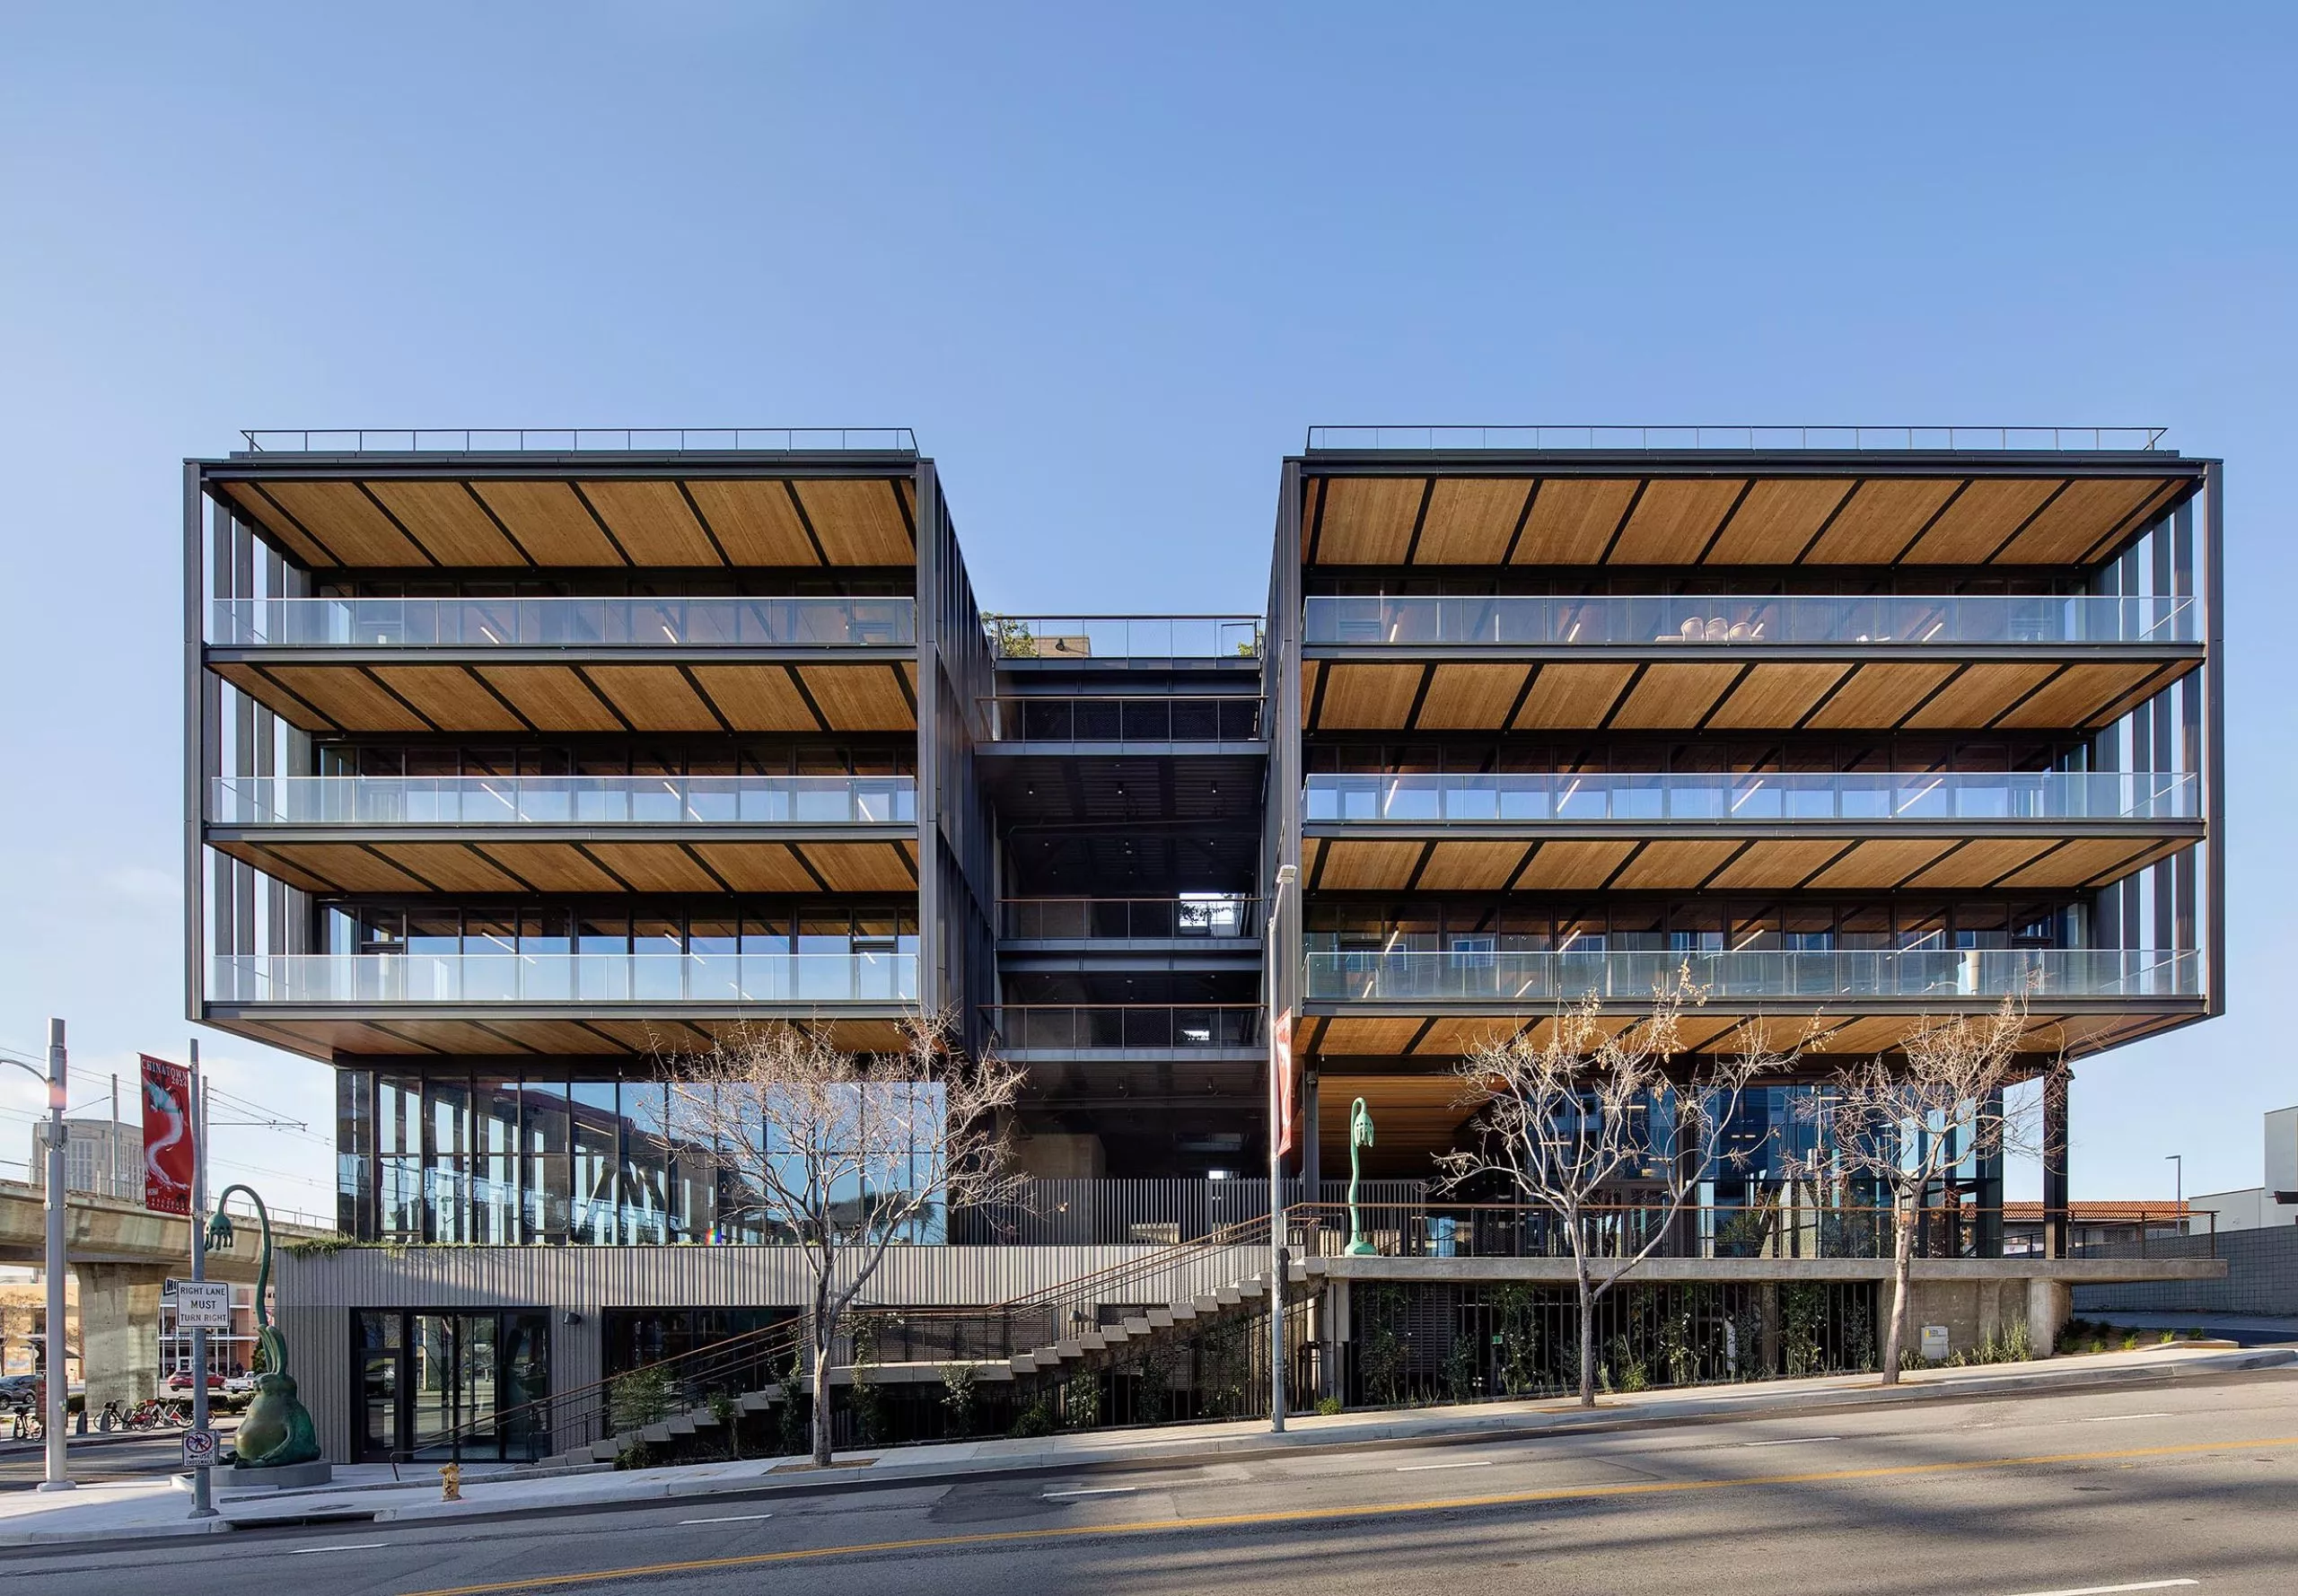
(1379, 621)
(563, 622)
(1512, 979)
(1232, 717)
(1584, 436)
(1198, 918)
(562, 440)
(1124, 637)
(1740, 797)
(563, 800)
(544, 977)
(1159, 1027)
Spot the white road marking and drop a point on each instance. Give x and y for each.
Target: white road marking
(364, 1545)
(2109, 1419)
(2152, 1585)
(1092, 1491)
(1793, 1441)
(739, 1518)
(1425, 1468)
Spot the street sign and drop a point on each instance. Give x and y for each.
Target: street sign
(200, 1304)
(1935, 1343)
(198, 1449)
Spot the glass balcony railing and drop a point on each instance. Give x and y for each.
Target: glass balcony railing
(563, 800)
(1232, 717)
(1124, 637)
(1747, 796)
(1159, 1026)
(1897, 619)
(563, 978)
(1194, 918)
(574, 623)
(1515, 979)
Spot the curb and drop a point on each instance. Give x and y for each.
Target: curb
(1295, 1443)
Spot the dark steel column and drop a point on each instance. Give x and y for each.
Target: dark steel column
(2214, 666)
(2055, 1214)
(196, 756)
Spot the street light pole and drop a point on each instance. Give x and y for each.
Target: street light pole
(202, 1505)
(2179, 1173)
(1279, 1070)
(56, 1350)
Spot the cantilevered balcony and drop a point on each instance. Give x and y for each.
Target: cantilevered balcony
(1878, 622)
(1191, 919)
(1511, 981)
(1120, 724)
(583, 623)
(1072, 639)
(723, 982)
(1732, 798)
(550, 802)
(1138, 1031)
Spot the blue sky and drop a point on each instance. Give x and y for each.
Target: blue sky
(1109, 262)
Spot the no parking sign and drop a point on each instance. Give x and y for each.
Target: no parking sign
(198, 1449)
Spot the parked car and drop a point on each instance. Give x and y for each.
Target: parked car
(18, 1390)
(239, 1385)
(180, 1381)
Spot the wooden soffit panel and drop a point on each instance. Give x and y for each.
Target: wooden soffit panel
(553, 866)
(653, 867)
(859, 522)
(1571, 697)
(860, 697)
(1573, 866)
(350, 867)
(1674, 520)
(450, 867)
(861, 866)
(449, 697)
(654, 697)
(1777, 521)
(1573, 520)
(1773, 698)
(1981, 519)
(1675, 696)
(1471, 698)
(270, 864)
(348, 696)
(269, 693)
(1364, 866)
(1877, 697)
(1470, 520)
(1367, 521)
(2085, 860)
(1978, 695)
(447, 522)
(1882, 516)
(550, 522)
(756, 867)
(249, 502)
(1470, 866)
(652, 522)
(1673, 865)
(1778, 863)
(1881, 863)
(1980, 862)
(342, 516)
(1370, 1034)
(554, 698)
(2085, 694)
(1368, 696)
(756, 698)
(756, 522)
(2089, 513)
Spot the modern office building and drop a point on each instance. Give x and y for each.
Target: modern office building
(524, 763)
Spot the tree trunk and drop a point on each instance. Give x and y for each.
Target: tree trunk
(825, 1339)
(1902, 1269)
(1587, 1335)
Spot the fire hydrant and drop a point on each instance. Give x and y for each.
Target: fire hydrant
(450, 1483)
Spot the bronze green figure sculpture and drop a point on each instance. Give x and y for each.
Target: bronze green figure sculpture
(276, 1429)
(1360, 1135)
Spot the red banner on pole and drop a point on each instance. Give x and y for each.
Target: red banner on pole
(167, 1137)
(1280, 1070)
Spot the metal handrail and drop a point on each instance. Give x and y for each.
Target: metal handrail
(563, 439)
(1695, 436)
(1220, 918)
(1131, 717)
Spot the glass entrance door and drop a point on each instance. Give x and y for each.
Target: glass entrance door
(439, 1385)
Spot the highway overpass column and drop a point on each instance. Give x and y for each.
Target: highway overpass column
(119, 1332)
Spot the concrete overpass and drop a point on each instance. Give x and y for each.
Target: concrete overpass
(120, 1253)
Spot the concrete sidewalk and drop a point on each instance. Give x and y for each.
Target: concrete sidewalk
(365, 1493)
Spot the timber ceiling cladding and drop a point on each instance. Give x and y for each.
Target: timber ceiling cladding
(519, 523)
(413, 1036)
(1722, 696)
(1702, 863)
(1717, 518)
(485, 864)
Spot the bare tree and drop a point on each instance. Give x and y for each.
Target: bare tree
(1567, 1121)
(844, 1154)
(1902, 1126)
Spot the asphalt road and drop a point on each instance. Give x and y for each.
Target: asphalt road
(2170, 1486)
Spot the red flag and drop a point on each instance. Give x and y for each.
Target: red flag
(167, 1137)
(1280, 1075)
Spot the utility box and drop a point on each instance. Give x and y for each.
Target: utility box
(1934, 1343)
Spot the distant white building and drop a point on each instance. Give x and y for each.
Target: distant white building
(101, 1157)
(2275, 1203)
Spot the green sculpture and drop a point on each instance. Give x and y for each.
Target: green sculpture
(1360, 1135)
(276, 1429)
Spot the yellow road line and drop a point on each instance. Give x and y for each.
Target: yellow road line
(1322, 1514)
